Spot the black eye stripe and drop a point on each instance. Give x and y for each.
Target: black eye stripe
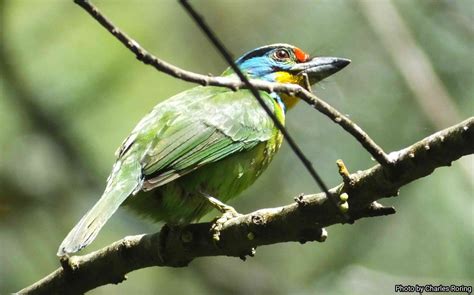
(262, 51)
(256, 53)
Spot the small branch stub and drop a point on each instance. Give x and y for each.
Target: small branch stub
(344, 172)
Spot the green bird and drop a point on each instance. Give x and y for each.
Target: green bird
(206, 141)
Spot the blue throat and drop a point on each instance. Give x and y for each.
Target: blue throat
(279, 101)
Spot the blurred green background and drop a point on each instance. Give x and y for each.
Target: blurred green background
(70, 93)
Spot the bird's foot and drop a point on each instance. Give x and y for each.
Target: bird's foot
(228, 213)
(219, 222)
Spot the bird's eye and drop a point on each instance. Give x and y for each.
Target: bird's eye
(281, 54)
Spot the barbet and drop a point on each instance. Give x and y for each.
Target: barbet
(206, 141)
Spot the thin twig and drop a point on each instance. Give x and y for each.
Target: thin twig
(301, 221)
(230, 61)
(144, 56)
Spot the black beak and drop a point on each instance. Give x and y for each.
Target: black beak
(319, 68)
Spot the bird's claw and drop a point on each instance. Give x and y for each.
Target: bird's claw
(228, 213)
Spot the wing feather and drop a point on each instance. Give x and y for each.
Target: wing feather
(195, 128)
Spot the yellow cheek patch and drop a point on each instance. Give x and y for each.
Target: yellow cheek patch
(285, 77)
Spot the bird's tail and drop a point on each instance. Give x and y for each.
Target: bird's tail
(124, 180)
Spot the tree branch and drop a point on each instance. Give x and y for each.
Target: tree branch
(301, 221)
(229, 82)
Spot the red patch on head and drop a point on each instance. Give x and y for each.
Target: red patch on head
(300, 55)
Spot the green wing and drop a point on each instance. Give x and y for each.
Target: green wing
(194, 128)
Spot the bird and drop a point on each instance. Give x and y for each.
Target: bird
(202, 147)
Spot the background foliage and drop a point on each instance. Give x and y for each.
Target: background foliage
(93, 92)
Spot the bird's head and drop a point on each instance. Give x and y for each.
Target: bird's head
(286, 63)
